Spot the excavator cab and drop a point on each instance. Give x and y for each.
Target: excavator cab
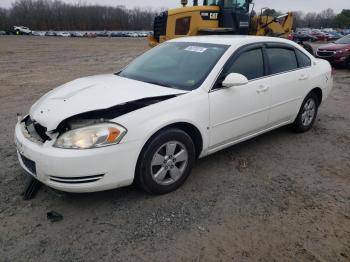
(234, 15)
(217, 17)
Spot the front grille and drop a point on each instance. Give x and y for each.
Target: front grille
(325, 53)
(159, 26)
(35, 130)
(29, 164)
(76, 180)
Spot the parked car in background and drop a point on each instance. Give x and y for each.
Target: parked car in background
(303, 37)
(119, 34)
(319, 35)
(182, 100)
(63, 34)
(133, 34)
(90, 34)
(2, 33)
(50, 33)
(38, 33)
(333, 35)
(142, 34)
(116, 34)
(337, 53)
(344, 32)
(103, 34)
(76, 34)
(22, 30)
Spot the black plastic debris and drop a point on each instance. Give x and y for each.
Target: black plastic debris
(31, 189)
(53, 216)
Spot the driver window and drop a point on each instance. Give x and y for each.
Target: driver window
(250, 64)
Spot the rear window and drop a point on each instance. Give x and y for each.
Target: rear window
(304, 60)
(281, 60)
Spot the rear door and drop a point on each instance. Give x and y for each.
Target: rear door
(288, 80)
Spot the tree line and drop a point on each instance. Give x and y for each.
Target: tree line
(58, 15)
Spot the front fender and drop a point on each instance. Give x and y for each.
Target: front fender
(191, 108)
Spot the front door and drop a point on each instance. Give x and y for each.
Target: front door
(240, 111)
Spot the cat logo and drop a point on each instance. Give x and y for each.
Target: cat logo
(210, 15)
(214, 16)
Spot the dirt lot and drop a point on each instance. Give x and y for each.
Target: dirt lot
(292, 202)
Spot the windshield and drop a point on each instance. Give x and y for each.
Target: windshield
(344, 40)
(237, 4)
(177, 65)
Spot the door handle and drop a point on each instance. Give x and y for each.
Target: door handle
(303, 77)
(262, 89)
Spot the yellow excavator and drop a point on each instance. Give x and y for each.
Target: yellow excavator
(217, 17)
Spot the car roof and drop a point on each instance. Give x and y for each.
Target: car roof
(232, 40)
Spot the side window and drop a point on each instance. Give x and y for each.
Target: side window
(250, 64)
(304, 60)
(182, 26)
(281, 60)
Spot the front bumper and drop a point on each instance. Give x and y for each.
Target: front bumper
(335, 59)
(78, 171)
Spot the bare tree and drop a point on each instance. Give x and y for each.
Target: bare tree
(58, 15)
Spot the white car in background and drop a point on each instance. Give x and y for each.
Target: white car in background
(183, 100)
(63, 34)
(22, 30)
(38, 33)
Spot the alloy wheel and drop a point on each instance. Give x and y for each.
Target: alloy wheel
(169, 163)
(308, 113)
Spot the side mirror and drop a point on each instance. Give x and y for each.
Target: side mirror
(234, 79)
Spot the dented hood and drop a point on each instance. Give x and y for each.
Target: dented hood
(91, 93)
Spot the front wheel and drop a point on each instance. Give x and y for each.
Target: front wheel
(165, 162)
(307, 114)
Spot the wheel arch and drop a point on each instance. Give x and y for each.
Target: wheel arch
(319, 93)
(188, 128)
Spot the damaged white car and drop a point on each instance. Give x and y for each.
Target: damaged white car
(180, 101)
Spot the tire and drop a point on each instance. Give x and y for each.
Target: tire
(307, 114)
(158, 171)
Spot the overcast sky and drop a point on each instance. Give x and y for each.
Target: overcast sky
(282, 5)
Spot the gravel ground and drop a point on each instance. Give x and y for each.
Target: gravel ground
(291, 202)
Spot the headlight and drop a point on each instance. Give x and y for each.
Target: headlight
(99, 135)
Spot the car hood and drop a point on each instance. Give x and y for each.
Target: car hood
(333, 47)
(92, 93)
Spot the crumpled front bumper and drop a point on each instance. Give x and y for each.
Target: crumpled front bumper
(79, 171)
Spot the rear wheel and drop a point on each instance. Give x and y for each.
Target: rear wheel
(307, 114)
(165, 162)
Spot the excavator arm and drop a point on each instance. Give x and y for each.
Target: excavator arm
(280, 26)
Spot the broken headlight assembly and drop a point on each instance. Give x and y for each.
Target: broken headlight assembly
(99, 135)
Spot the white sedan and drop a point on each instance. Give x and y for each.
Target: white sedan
(183, 100)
